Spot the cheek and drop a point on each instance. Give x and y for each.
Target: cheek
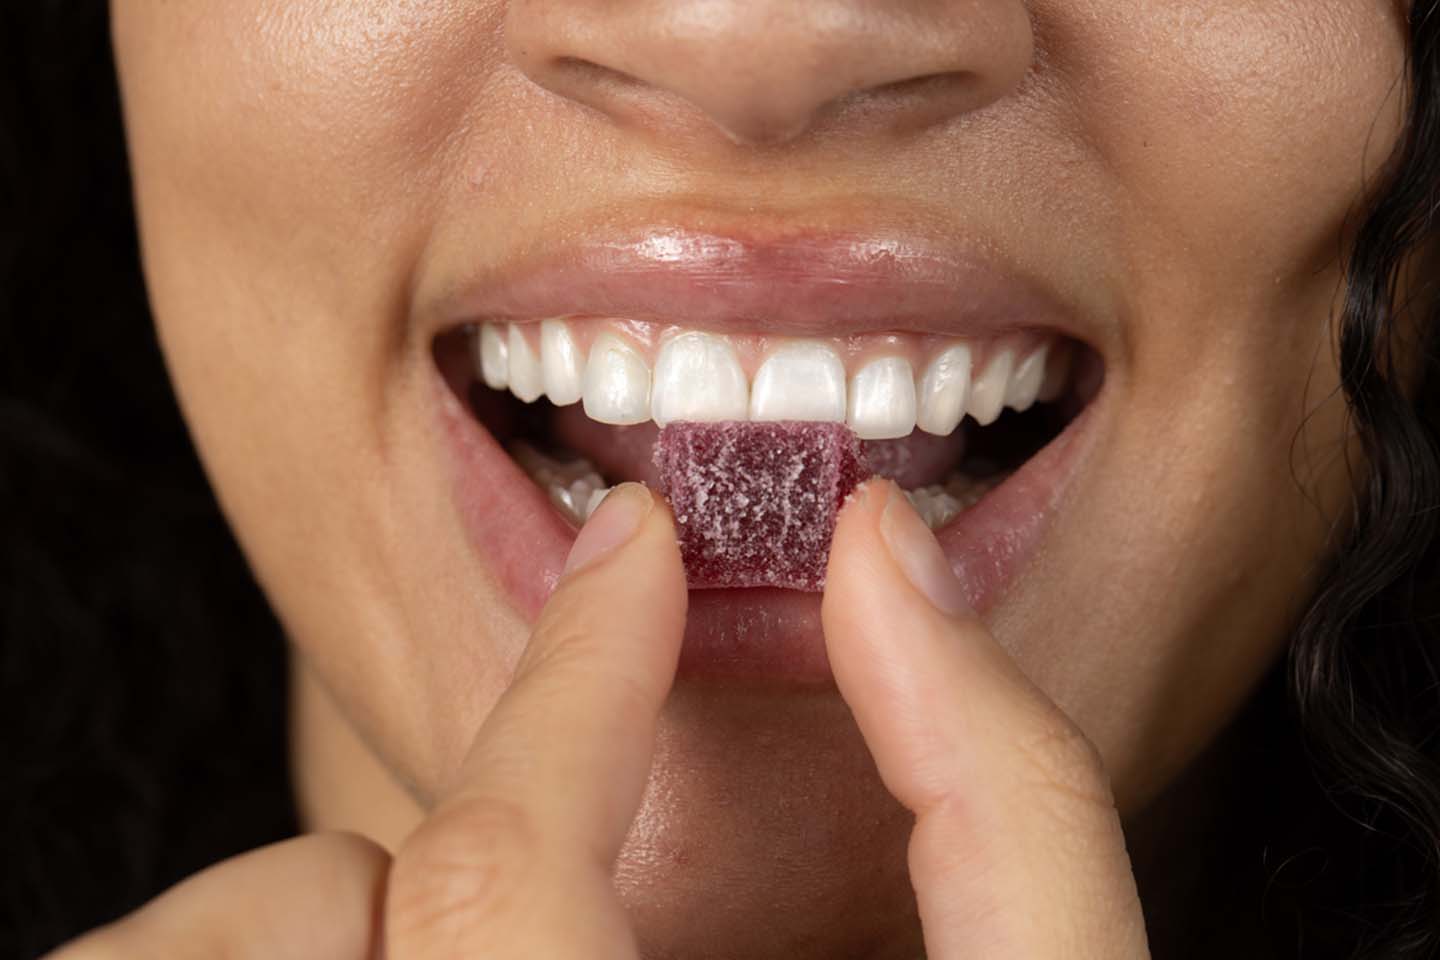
(1240, 128)
(285, 156)
(1234, 149)
(291, 158)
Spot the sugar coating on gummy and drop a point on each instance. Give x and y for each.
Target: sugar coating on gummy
(755, 503)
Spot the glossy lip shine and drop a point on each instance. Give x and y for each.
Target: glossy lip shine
(797, 286)
(802, 284)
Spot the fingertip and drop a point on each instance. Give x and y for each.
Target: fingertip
(869, 603)
(851, 542)
(630, 511)
(878, 526)
(617, 520)
(914, 549)
(620, 605)
(866, 498)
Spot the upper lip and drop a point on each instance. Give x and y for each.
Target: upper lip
(755, 277)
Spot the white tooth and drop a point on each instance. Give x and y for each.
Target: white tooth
(562, 497)
(698, 377)
(943, 509)
(934, 505)
(568, 483)
(561, 366)
(1025, 381)
(492, 355)
(596, 496)
(800, 381)
(546, 470)
(617, 382)
(987, 392)
(526, 380)
(882, 399)
(944, 390)
(967, 490)
(1057, 375)
(575, 497)
(581, 489)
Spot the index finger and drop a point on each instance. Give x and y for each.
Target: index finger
(519, 851)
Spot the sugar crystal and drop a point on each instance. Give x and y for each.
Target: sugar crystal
(755, 503)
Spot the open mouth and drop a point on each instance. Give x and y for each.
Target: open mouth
(577, 402)
(546, 411)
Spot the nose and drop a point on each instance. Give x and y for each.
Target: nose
(766, 71)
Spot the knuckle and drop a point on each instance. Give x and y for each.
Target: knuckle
(571, 658)
(1058, 759)
(466, 868)
(556, 648)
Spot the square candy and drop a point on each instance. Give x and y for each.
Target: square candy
(755, 503)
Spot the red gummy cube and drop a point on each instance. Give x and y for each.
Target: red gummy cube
(755, 503)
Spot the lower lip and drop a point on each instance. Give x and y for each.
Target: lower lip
(755, 635)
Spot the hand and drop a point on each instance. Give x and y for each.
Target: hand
(1017, 850)
(515, 859)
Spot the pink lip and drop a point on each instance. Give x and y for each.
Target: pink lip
(798, 284)
(801, 284)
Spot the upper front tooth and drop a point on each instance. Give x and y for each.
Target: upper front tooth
(944, 390)
(882, 399)
(617, 382)
(698, 377)
(493, 352)
(1025, 381)
(987, 393)
(560, 363)
(526, 379)
(800, 381)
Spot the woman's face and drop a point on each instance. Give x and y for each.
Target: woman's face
(328, 191)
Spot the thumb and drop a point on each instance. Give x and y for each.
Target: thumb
(1017, 849)
(515, 859)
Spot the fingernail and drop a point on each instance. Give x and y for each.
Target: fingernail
(919, 556)
(613, 523)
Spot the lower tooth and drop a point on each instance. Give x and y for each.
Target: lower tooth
(935, 506)
(594, 501)
(938, 504)
(579, 498)
(576, 488)
(570, 484)
(968, 490)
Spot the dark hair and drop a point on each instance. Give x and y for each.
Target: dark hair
(142, 675)
(1364, 667)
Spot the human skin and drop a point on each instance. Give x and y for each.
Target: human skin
(516, 859)
(307, 173)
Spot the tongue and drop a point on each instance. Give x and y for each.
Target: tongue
(626, 453)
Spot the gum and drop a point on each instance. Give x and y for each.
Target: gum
(755, 503)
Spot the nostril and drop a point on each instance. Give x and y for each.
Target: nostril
(931, 84)
(579, 72)
(766, 71)
(596, 85)
(767, 116)
(915, 101)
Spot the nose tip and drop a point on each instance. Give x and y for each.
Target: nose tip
(767, 71)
